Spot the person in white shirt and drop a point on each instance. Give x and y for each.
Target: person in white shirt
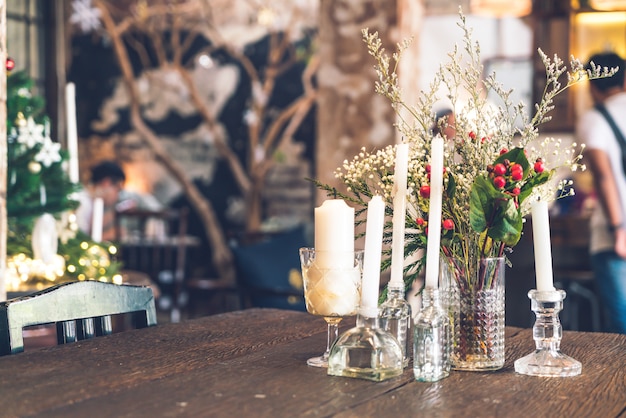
(604, 157)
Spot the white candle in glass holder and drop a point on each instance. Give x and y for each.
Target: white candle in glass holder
(399, 216)
(372, 257)
(434, 213)
(542, 246)
(96, 219)
(334, 234)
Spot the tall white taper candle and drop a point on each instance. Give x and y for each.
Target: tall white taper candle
(542, 246)
(399, 216)
(434, 212)
(372, 257)
(96, 219)
(72, 134)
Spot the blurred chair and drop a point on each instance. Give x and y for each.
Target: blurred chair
(268, 268)
(210, 296)
(81, 310)
(572, 270)
(156, 243)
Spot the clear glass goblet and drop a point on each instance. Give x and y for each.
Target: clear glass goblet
(332, 289)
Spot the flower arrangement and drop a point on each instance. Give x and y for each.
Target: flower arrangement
(495, 167)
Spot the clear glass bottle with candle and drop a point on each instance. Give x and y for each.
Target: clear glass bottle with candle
(431, 339)
(395, 312)
(395, 318)
(366, 351)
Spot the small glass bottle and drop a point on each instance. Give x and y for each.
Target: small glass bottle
(431, 339)
(366, 351)
(395, 318)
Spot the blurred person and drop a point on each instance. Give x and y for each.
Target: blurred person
(604, 158)
(107, 182)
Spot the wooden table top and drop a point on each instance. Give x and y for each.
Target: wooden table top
(252, 364)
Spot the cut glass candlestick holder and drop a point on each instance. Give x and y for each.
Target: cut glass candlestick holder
(395, 318)
(547, 359)
(431, 339)
(366, 352)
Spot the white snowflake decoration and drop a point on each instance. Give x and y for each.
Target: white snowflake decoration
(49, 153)
(30, 134)
(85, 15)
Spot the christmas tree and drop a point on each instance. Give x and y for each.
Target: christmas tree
(39, 191)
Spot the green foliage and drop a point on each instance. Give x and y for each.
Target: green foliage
(37, 183)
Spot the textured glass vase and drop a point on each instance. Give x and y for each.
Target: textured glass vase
(475, 298)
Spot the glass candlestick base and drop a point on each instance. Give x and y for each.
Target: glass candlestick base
(366, 352)
(547, 359)
(431, 339)
(395, 318)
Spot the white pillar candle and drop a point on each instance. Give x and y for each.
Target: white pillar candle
(399, 216)
(372, 257)
(542, 246)
(72, 135)
(334, 234)
(96, 219)
(434, 212)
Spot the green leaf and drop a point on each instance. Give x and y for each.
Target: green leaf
(507, 226)
(516, 155)
(482, 197)
(537, 180)
(451, 187)
(494, 212)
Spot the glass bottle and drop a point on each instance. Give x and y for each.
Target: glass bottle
(395, 318)
(366, 351)
(431, 339)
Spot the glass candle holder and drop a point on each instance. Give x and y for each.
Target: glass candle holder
(547, 359)
(366, 352)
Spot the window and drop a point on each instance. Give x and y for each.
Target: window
(37, 46)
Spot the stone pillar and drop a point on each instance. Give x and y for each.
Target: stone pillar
(410, 20)
(3, 148)
(350, 114)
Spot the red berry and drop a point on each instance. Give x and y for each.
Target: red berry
(425, 191)
(503, 151)
(499, 182)
(516, 167)
(539, 167)
(10, 64)
(472, 135)
(517, 175)
(448, 224)
(499, 169)
(483, 139)
(427, 168)
(420, 221)
(516, 191)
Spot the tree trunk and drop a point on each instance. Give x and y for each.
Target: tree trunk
(222, 256)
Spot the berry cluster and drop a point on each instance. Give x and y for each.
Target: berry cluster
(507, 175)
(446, 224)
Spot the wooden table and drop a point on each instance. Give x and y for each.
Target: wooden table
(252, 364)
